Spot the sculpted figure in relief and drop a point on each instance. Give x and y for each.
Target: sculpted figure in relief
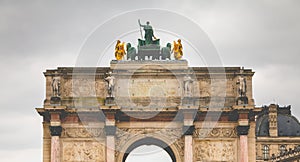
(82, 151)
(214, 151)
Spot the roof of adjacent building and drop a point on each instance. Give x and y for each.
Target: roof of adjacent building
(287, 124)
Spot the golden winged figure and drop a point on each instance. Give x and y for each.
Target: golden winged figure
(177, 49)
(120, 50)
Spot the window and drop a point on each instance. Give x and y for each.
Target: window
(282, 149)
(266, 152)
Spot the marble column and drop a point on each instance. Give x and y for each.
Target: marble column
(188, 143)
(110, 143)
(55, 144)
(243, 133)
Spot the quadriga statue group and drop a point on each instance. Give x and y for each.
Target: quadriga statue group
(148, 48)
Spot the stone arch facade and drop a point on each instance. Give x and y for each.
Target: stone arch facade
(114, 131)
(172, 150)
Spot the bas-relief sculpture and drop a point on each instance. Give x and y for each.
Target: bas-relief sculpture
(83, 133)
(83, 152)
(144, 87)
(215, 151)
(82, 87)
(215, 133)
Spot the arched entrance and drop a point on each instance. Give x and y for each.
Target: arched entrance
(148, 153)
(150, 141)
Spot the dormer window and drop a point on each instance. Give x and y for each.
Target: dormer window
(266, 151)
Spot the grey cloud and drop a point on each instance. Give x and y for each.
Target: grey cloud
(38, 35)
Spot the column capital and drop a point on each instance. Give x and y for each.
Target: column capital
(55, 130)
(242, 130)
(110, 130)
(188, 130)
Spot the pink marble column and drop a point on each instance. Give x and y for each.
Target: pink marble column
(110, 148)
(110, 132)
(55, 132)
(243, 148)
(188, 148)
(55, 149)
(242, 131)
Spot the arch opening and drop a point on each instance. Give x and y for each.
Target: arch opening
(148, 153)
(148, 142)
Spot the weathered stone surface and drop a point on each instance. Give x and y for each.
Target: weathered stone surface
(215, 151)
(83, 151)
(83, 133)
(148, 101)
(139, 81)
(215, 133)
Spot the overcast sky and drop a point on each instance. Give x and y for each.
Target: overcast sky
(36, 35)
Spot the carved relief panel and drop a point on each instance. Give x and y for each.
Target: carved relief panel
(83, 152)
(215, 151)
(215, 133)
(83, 133)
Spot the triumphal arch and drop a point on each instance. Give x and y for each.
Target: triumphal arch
(196, 114)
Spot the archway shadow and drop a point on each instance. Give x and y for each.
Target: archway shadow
(150, 141)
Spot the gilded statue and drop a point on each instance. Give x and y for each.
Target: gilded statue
(120, 50)
(177, 49)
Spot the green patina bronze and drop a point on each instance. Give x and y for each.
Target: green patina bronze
(148, 46)
(166, 52)
(149, 35)
(131, 52)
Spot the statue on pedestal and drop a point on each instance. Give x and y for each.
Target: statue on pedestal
(241, 82)
(56, 87)
(55, 98)
(188, 82)
(111, 84)
(242, 89)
